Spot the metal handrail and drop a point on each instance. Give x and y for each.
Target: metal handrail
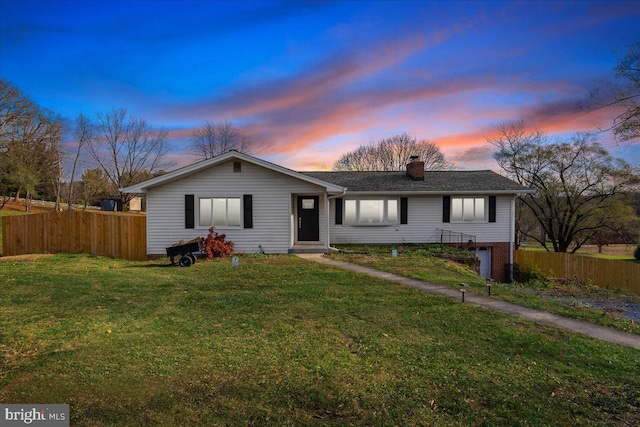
(448, 236)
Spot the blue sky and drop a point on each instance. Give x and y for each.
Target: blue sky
(312, 80)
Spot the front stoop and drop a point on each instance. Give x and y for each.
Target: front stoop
(308, 249)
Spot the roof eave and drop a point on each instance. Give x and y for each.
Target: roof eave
(186, 171)
(440, 192)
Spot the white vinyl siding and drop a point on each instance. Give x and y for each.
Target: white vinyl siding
(273, 195)
(424, 217)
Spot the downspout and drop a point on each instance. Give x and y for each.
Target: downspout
(329, 222)
(512, 234)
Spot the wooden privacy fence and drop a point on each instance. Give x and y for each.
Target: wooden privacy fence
(98, 233)
(605, 273)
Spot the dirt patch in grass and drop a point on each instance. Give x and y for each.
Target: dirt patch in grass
(577, 294)
(19, 207)
(27, 257)
(628, 310)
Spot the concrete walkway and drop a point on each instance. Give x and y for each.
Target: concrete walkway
(585, 328)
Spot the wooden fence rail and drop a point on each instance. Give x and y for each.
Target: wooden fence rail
(98, 233)
(604, 273)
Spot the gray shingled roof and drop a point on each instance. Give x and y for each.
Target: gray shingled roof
(436, 182)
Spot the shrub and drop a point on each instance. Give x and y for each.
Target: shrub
(215, 245)
(532, 275)
(636, 254)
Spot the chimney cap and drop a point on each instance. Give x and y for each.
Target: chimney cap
(414, 158)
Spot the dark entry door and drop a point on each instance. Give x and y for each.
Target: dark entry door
(308, 219)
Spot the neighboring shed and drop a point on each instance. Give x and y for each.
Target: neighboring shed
(111, 204)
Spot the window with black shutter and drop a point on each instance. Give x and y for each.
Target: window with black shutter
(404, 214)
(492, 208)
(189, 211)
(446, 209)
(247, 202)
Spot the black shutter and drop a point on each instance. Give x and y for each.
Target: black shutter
(446, 209)
(492, 208)
(247, 201)
(404, 215)
(339, 211)
(189, 211)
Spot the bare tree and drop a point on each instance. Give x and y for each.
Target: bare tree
(82, 133)
(13, 107)
(214, 139)
(53, 158)
(623, 92)
(94, 185)
(17, 112)
(626, 126)
(125, 148)
(30, 147)
(392, 154)
(576, 183)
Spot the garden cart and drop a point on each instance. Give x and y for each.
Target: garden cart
(185, 252)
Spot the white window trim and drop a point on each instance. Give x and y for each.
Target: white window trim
(485, 219)
(218, 227)
(385, 220)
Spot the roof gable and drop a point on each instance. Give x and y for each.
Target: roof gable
(435, 182)
(194, 168)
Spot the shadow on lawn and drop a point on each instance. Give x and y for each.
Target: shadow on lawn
(151, 265)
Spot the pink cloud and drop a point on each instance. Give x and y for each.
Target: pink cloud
(357, 94)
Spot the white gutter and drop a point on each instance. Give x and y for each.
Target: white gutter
(344, 191)
(442, 193)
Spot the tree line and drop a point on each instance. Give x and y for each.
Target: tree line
(582, 194)
(121, 150)
(30, 146)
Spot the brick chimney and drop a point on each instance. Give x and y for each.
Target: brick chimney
(415, 169)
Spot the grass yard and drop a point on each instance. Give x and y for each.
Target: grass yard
(281, 341)
(562, 298)
(619, 252)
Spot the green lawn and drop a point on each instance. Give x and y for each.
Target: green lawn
(281, 341)
(418, 263)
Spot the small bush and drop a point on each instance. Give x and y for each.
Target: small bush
(636, 253)
(215, 245)
(531, 273)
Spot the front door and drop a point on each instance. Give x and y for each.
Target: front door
(308, 219)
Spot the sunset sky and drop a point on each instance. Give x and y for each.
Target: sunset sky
(311, 80)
